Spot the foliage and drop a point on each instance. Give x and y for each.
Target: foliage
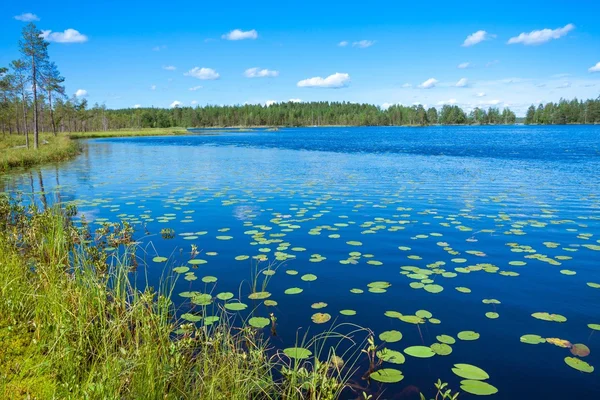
(565, 112)
(14, 154)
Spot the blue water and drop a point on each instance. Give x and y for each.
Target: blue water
(464, 188)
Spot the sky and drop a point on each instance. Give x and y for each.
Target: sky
(469, 53)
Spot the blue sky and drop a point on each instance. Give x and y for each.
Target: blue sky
(151, 53)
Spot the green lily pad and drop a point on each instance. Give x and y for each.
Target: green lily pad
(298, 353)
(236, 306)
(354, 243)
(387, 375)
(209, 279)
(197, 261)
(469, 371)
(318, 305)
(181, 270)
(390, 336)
(309, 277)
(294, 290)
(320, 318)
(391, 356)
(433, 288)
(579, 365)
(446, 339)
(594, 285)
(532, 339)
(202, 299)
(259, 322)
(478, 388)
(159, 259)
(191, 317)
(492, 315)
(419, 351)
(348, 313)
(544, 316)
(225, 296)
(356, 291)
(468, 335)
(441, 349)
(423, 314)
(259, 295)
(242, 257)
(595, 327)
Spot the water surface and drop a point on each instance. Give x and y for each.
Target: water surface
(498, 210)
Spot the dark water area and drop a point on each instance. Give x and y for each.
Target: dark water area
(511, 213)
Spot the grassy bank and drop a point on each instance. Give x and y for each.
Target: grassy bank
(129, 133)
(13, 154)
(74, 325)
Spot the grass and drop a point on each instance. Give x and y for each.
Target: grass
(52, 149)
(73, 324)
(129, 133)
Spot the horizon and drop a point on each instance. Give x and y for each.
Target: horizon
(509, 56)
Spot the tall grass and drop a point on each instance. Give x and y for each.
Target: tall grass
(52, 149)
(74, 325)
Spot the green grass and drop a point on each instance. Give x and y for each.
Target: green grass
(52, 149)
(74, 325)
(129, 133)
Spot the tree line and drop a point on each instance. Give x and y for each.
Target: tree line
(565, 112)
(33, 100)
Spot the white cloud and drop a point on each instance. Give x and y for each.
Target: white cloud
(343, 43)
(153, 87)
(137, 106)
(270, 102)
(337, 80)
(260, 73)
(407, 85)
(203, 73)
(170, 68)
(193, 89)
(595, 68)
(429, 83)
(463, 82)
(463, 65)
(193, 102)
(68, 36)
(176, 103)
(363, 44)
(27, 17)
(477, 37)
(295, 100)
(541, 36)
(446, 102)
(81, 93)
(238, 34)
(480, 94)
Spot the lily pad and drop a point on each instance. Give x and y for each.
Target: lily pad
(579, 365)
(387, 375)
(433, 288)
(492, 315)
(532, 339)
(468, 335)
(181, 270)
(348, 313)
(320, 318)
(390, 336)
(580, 350)
(391, 356)
(298, 353)
(236, 306)
(478, 388)
(309, 277)
(441, 349)
(294, 290)
(259, 322)
(209, 279)
(446, 339)
(419, 351)
(159, 259)
(225, 296)
(469, 371)
(259, 295)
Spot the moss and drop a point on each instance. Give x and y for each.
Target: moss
(23, 373)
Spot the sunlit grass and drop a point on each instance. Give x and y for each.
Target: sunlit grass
(13, 154)
(129, 133)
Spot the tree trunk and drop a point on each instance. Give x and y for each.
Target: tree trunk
(51, 112)
(25, 118)
(36, 139)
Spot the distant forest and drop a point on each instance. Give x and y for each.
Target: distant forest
(565, 112)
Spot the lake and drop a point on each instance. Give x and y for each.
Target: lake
(426, 231)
